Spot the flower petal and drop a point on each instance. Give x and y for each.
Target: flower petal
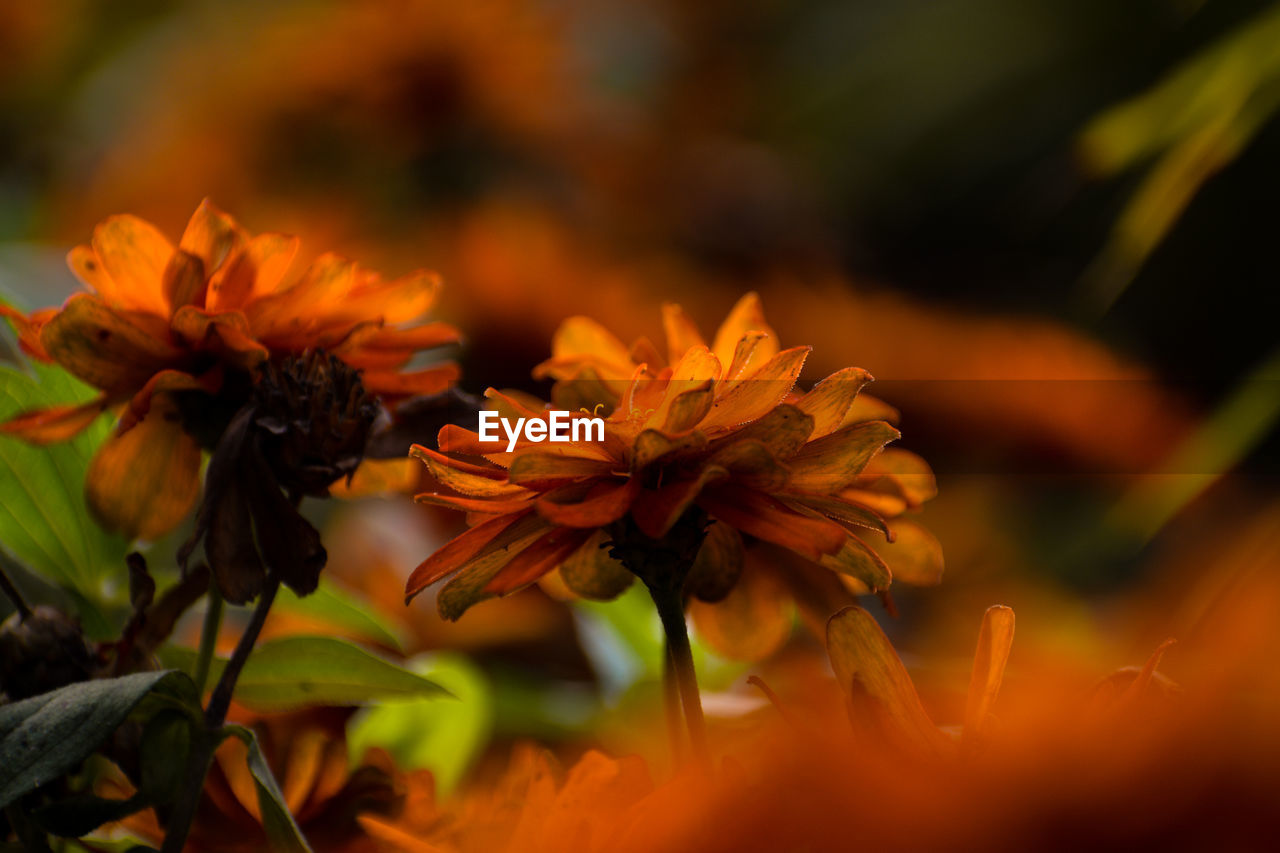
(747, 316)
(133, 255)
(682, 334)
(459, 550)
(430, 380)
(857, 560)
(480, 506)
(253, 272)
(28, 328)
(764, 517)
(830, 400)
(379, 477)
(657, 510)
(591, 573)
(540, 470)
(745, 400)
(103, 347)
(183, 282)
(212, 236)
(719, 563)
(914, 555)
(751, 622)
(912, 477)
(877, 683)
(533, 562)
(144, 481)
(827, 465)
(468, 479)
(995, 639)
(605, 503)
(58, 423)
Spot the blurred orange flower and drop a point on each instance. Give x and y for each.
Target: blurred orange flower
(720, 434)
(327, 796)
(163, 321)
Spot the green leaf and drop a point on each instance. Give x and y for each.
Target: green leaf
(294, 672)
(443, 737)
(44, 521)
(43, 737)
(282, 830)
(340, 608)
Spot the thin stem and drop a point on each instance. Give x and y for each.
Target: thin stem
(19, 603)
(215, 714)
(208, 635)
(671, 707)
(671, 612)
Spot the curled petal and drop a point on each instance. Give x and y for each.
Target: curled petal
(126, 264)
(104, 347)
(591, 573)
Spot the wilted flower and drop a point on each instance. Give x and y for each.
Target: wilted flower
(41, 651)
(305, 426)
(716, 446)
(174, 335)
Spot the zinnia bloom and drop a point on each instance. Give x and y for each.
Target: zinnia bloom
(174, 336)
(714, 446)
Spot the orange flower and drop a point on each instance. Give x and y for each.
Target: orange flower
(720, 434)
(327, 795)
(171, 329)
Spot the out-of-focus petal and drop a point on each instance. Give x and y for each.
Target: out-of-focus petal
(877, 683)
(682, 334)
(994, 641)
(57, 423)
(914, 556)
(144, 481)
(103, 347)
(132, 255)
(751, 622)
(746, 316)
(212, 236)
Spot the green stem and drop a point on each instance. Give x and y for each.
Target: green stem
(208, 635)
(670, 604)
(215, 714)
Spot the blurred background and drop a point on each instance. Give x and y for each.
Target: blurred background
(1045, 226)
